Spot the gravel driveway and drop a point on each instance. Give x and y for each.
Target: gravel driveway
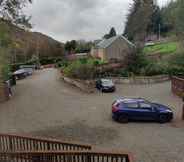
(45, 106)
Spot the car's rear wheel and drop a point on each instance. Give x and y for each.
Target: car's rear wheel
(123, 118)
(163, 118)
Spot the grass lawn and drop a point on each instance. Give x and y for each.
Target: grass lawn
(162, 48)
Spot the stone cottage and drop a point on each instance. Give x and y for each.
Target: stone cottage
(115, 48)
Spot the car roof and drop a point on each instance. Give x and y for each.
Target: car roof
(131, 100)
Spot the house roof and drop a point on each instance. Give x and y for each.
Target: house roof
(107, 42)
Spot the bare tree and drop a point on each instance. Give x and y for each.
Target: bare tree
(11, 10)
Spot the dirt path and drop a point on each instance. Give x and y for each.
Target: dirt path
(43, 105)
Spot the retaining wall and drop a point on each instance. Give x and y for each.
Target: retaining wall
(89, 85)
(177, 86)
(140, 80)
(85, 86)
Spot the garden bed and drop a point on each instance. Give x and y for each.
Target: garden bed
(84, 85)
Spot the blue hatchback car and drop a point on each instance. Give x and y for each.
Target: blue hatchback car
(126, 109)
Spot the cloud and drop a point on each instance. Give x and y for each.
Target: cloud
(78, 19)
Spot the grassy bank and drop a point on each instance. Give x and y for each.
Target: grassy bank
(162, 48)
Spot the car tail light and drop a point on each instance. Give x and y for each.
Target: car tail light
(115, 107)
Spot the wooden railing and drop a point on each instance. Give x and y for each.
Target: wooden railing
(67, 156)
(15, 148)
(22, 143)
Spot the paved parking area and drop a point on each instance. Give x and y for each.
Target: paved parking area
(45, 106)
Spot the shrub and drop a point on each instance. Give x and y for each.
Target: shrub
(176, 64)
(176, 70)
(63, 63)
(4, 67)
(6, 72)
(46, 61)
(124, 73)
(154, 69)
(83, 60)
(80, 71)
(34, 60)
(139, 62)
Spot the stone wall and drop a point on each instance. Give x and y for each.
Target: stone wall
(85, 86)
(89, 85)
(141, 80)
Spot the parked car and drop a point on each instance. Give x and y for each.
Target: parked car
(29, 71)
(105, 85)
(126, 109)
(20, 74)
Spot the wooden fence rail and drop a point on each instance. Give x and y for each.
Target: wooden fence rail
(67, 156)
(25, 143)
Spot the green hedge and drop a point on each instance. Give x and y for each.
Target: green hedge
(81, 69)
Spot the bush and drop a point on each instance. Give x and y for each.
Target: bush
(46, 61)
(139, 62)
(50, 60)
(124, 73)
(80, 71)
(154, 69)
(176, 64)
(62, 63)
(176, 70)
(144, 67)
(6, 72)
(83, 60)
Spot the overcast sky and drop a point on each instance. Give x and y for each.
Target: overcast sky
(79, 19)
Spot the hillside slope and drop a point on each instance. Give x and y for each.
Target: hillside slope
(26, 43)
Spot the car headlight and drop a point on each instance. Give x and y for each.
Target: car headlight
(169, 111)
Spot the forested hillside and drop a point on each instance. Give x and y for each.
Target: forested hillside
(25, 44)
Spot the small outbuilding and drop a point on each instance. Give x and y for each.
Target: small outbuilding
(115, 48)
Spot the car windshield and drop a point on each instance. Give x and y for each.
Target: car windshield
(107, 82)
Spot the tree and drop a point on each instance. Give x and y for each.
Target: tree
(180, 18)
(156, 21)
(83, 46)
(11, 10)
(173, 16)
(5, 44)
(168, 14)
(111, 34)
(138, 21)
(70, 46)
